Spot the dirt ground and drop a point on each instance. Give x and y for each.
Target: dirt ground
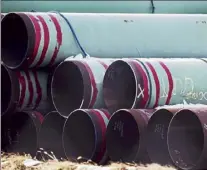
(17, 162)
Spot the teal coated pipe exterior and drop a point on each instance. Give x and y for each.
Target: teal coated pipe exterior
(46, 39)
(107, 6)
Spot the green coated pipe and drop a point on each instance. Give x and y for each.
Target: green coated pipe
(107, 6)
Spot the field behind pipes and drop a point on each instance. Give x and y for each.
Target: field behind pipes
(100, 88)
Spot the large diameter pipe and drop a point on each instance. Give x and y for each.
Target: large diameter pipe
(148, 83)
(157, 129)
(84, 135)
(157, 135)
(106, 7)
(2, 15)
(24, 90)
(78, 84)
(22, 130)
(44, 39)
(187, 138)
(126, 135)
(50, 136)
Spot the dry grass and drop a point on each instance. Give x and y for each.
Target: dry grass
(16, 162)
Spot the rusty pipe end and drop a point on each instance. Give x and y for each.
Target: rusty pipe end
(18, 39)
(10, 91)
(84, 135)
(186, 137)
(71, 87)
(119, 86)
(50, 136)
(125, 136)
(157, 136)
(21, 132)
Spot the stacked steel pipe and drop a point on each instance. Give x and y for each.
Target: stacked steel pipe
(44, 39)
(148, 83)
(80, 86)
(105, 104)
(163, 6)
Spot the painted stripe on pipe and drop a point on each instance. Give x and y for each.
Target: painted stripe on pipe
(59, 39)
(157, 83)
(39, 116)
(170, 81)
(145, 84)
(30, 88)
(93, 84)
(46, 40)
(39, 90)
(34, 89)
(22, 88)
(106, 120)
(103, 131)
(106, 114)
(103, 64)
(106, 117)
(37, 38)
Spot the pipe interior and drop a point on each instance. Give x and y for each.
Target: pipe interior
(6, 89)
(50, 135)
(79, 136)
(122, 137)
(119, 86)
(157, 137)
(14, 40)
(23, 134)
(67, 88)
(185, 139)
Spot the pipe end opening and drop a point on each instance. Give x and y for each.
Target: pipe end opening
(185, 139)
(157, 137)
(122, 137)
(15, 39)
(119, 86)
(22, 133)
(50, 135)
(6, 94)
(79, 136)
(67, 88)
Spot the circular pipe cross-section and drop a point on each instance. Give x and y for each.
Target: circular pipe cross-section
(119, 86)
(22, 132)
(125, 137)
(78, 84)
(187, 139)
(157, 136)
(10, 89)
(50, 136)
(18, 39)
(84, 135)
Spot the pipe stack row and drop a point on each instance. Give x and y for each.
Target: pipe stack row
(110, 6)
(86, 87)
